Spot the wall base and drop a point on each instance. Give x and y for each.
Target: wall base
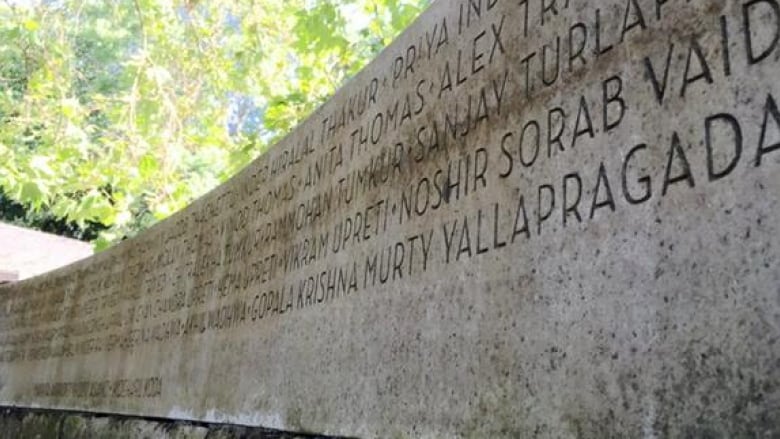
(29, 423)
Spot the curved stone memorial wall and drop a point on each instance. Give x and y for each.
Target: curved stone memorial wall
(526, 218)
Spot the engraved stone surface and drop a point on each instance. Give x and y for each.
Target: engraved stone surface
(532, 218)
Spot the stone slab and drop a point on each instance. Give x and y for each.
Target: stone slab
(29, 253)
(8, 276)
(535, 218)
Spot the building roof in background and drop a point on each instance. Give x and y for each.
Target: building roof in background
(7, 276)
(28, 253)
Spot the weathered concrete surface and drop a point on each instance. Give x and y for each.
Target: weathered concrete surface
(553, 220)
(26, 423)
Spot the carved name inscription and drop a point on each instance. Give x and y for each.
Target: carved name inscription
(519, 203)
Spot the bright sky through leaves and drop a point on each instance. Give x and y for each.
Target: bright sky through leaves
(115, 114)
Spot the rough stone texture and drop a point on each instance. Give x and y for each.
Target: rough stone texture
(26, 423)
(552, 222)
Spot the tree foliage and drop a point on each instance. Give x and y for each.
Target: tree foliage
(115, 114)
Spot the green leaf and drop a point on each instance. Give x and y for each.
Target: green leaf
(148, 167)
(31, 25)
(113, 121)
(31, 193)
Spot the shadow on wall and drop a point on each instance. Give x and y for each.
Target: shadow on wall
(20, 422)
